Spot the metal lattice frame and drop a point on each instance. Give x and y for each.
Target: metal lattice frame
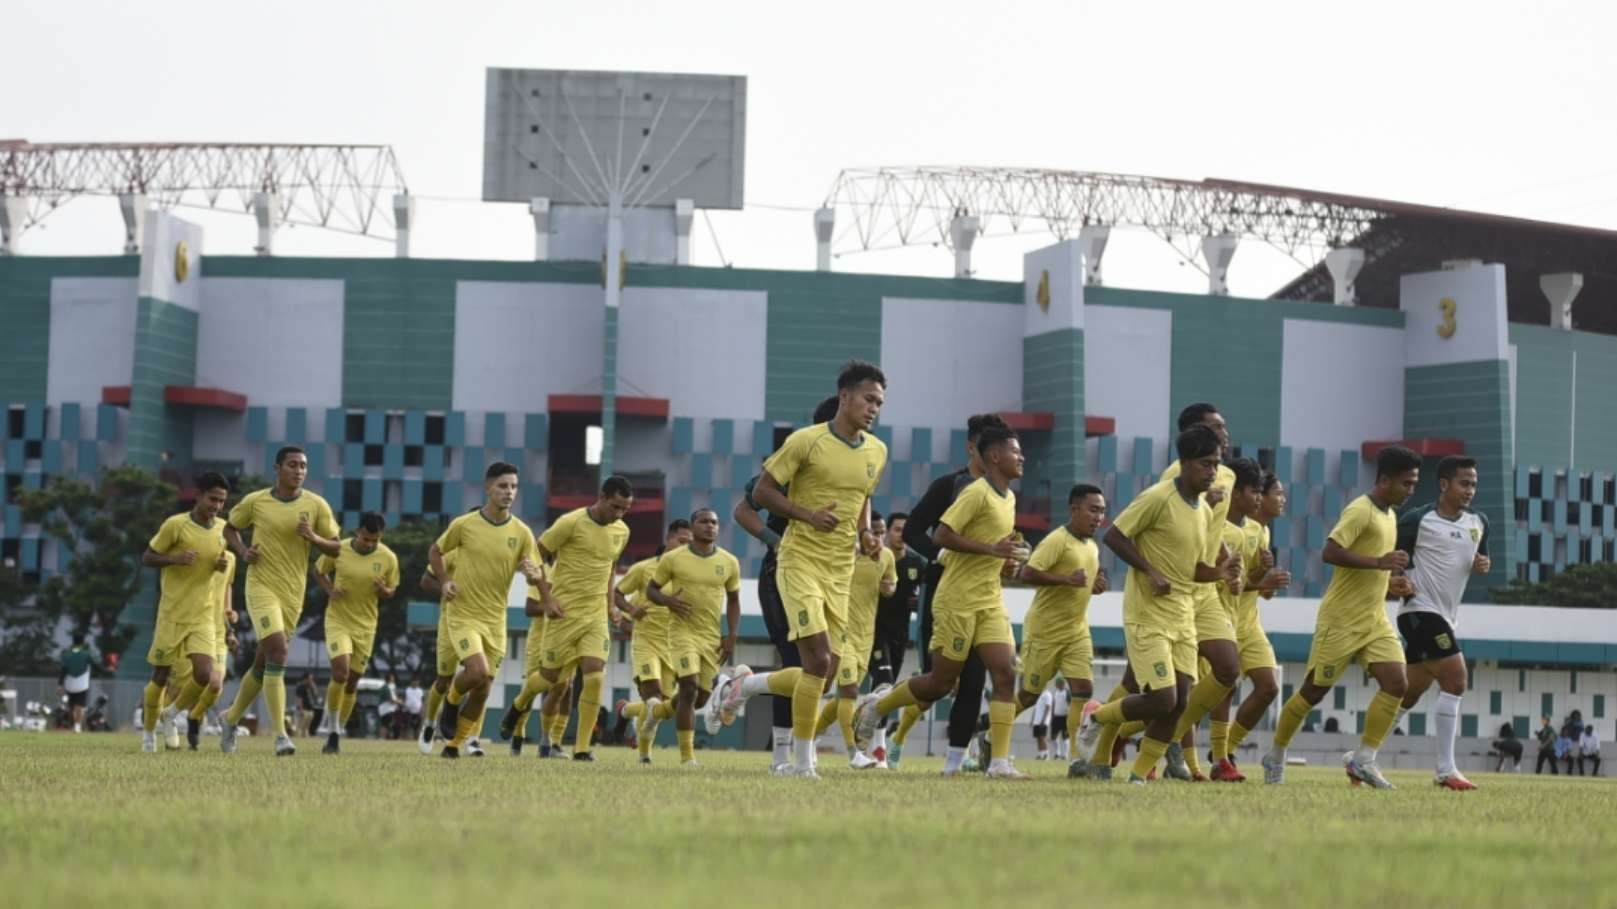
(889, 207)
(338, 187)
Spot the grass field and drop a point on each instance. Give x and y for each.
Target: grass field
(90, 820)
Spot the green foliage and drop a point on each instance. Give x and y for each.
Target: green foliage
(1592, 586)
(101, 531)
(27, 638)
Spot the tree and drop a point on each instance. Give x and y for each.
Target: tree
(397, 647)
(27, 639)
(1591, 586)
(100, 532)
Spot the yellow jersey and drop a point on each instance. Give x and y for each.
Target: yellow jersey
(702, 581)
(633, 587)
(219, 592)
(971, 582)
(819, 468)
(188, 589)
(281, 573)
(1357, 597)
(864, 593)
(586, 553)
(1060, 615)
(1216, 515)
(1171, 534)
(1246, 607)
(355, 573)
(1243, 545)
(488, 556)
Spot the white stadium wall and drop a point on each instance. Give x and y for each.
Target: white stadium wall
(962, 356)
(518, 343)
(92, 338)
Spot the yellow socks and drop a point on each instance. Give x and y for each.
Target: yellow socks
(828, 715)
(1075, 718)
(907, 720)
(1220, 739)
(205, 702)
(634, 711)
(1151, 751)
(805, 705)
(589, 709)
(349, 699)
(246, 694)
(783, 682)
(1378, 719)
(151, 705)
(435, 700)
(1238, 735)
(1111, 713)
(465, 726)
(845, 720)
(189, 693)
(900, 696)
(1001, 714)
(532, 686)
(336, 692)
(454, 696)
(1291, 719)
(557, 728)
(664, 711)
(275, 696)
(1204, 696)
(1191, 760)
(687, 744)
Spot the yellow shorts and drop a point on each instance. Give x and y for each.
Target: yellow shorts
(815, 603)
(469, 637)
(1256, 651)
(354, 643)
(1041, 661)
(653, 657)
(273, 613)
(173, 642)
(535, 647)
(694, 656)
(445, 650)
(1334, 648)
(1156, 653)
(853, 664)
(1213, 621)
(570, 641)
(955, 634)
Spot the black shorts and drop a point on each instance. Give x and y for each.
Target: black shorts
(1058, 726)
(1040, 730)
(78, 698)
(1427, 636)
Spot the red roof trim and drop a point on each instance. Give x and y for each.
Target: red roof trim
(627, 405)
(1099, 426)
(193, 396)
(1029, 421)
(1426, 448)
(116, 395)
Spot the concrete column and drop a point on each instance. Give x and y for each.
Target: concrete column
(540, 209)
(1217, 251)
(403, 223)
(962, 234)
(267, 211)
(684, 216)
(133, 206)
(1092, 240)
(13, 215)
(825, 221)
(1562, 288)
(1344, 264)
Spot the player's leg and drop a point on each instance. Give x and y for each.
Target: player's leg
(1452, 678)
(1330, 652)
(1380, 652)
(1223, 668)
(685, 719)
(775, 621)
(336, 692)
(589, 701)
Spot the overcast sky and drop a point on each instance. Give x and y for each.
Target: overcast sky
(1500, 107)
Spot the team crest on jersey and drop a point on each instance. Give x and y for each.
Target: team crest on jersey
(802, 616)
(718, 571)
(465, 644)
(911, 573)
(1475, 535)
(1444, 641)
(645, 669)
(684, 662)
(1034, 679)
(959, 644)
(263, 622)
(376, 568)
(303, 516)
(1329, 671)
(1161, 670)
(510, 542)
(870, 471)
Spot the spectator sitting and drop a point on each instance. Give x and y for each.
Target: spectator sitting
(1507, 745)
(1566, 750)
(1589, 751)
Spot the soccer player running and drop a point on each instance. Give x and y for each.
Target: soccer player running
(874, 576)
(1352, 622)
(820, 480)
(362, 574)
(189, 551)
(1446, 543)
(695, 582)
(490, 546)
(768, 528)
(285, 520)
(1162, 535)
(1065, 571)
(653, 661)
(584, 546)
(977, 537)
(1247, 539)
(893, 610)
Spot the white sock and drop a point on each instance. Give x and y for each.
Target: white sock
(954, 759)
(880, 738)
(803, 753)
(1448, 725)
(783, 744)
(1365, 754)
(755, 684)
(999, 762)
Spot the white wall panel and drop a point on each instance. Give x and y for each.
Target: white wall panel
(948, 359)
(518, 343)
(92, 338)
(1341, 384)
(703, 350)
(1128, 354)
(277, 341)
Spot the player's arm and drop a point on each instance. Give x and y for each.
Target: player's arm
(732, 624)
(324, 573)
(772, 498)
(747, 514)
(447, 588)
(1120, 544)
(1040, 568)
(925, 516)
(151, 558)
(625, 606)
(1482, 563)
(946, 538)
(1342, 557)
(654, 593)
(1226, 569)
(889, 576)
(387, 583)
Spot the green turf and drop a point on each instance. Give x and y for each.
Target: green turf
(90, 820)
